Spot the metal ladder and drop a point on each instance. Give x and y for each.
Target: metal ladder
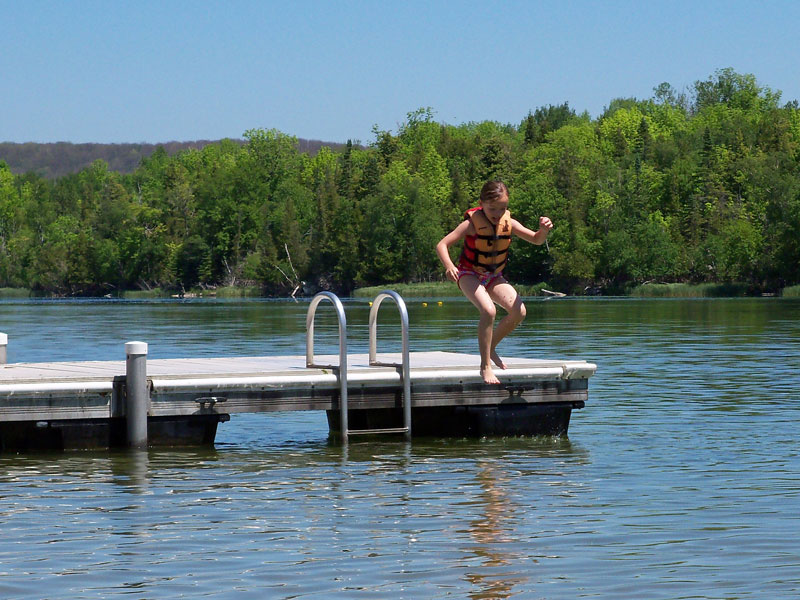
(341, 369)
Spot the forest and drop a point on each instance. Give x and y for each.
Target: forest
(696, 186)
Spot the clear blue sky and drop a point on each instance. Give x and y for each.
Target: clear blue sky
(157, 71)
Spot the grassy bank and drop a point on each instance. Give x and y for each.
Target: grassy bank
(435, 289)
(249, 291)
(252, 291)
(143, 294)
(688, 290)
(14, 293)
(650, 290)
(791, 292)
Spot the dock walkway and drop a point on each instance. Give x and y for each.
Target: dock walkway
(93, 390)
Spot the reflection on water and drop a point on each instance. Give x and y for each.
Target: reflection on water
(680, 478)
(493, 535)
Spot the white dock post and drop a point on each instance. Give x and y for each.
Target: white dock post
(137, 395)
(3, 348)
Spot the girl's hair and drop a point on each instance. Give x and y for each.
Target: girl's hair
(493, 190)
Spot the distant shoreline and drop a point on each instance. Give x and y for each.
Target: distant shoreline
(52, 160)
(440, 289)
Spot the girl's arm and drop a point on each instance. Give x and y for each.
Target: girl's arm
(534, 237)
(444, 244)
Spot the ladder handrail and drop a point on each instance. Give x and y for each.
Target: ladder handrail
(405, 365)
(342, 367)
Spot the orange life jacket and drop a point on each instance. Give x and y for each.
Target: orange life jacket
(487, 250)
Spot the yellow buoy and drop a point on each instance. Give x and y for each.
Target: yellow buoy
(370, 303)
(439, 303)
(424, 304)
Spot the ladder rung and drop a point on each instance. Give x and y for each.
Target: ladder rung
(377, 431)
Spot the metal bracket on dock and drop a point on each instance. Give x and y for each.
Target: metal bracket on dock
(209, 401)
(516, 390)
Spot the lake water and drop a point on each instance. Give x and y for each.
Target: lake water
(679, 479)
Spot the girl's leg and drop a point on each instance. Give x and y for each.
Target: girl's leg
(478, 295)
(506, 296)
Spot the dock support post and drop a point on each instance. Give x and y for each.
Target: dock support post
(137, 395)
(3, 348)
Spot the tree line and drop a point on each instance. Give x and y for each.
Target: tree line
(698, 186)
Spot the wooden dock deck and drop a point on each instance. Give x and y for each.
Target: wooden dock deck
(53, 394)
(89, 390)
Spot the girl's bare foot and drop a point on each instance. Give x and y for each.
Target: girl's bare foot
(489, 376)
(497, 360)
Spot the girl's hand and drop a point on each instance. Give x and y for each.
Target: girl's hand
(452, 274)
(545, 223)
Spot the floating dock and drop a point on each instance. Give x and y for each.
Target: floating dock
(169, 402)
